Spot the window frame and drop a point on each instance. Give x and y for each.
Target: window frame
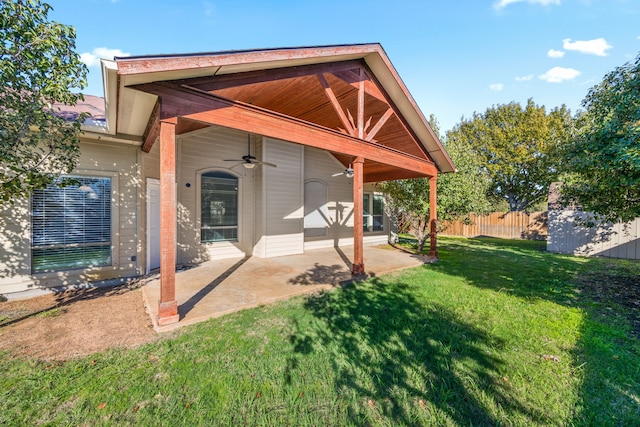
(198, 224)
(113, 244)
(368, 218)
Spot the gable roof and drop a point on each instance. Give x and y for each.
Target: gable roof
(288, 81)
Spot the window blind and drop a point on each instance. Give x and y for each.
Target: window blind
(71, 226)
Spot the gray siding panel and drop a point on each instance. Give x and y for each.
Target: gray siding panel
(607, 240)
(100, 158)
(198, 152)
(284, 209)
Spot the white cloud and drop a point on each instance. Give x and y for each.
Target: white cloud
(93, 58)
(559, 75)
(501, 4)
(496, 87)
(594, 47)
(209, 8)
(524, 78)
(555, 53)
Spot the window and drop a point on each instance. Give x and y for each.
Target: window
(373, 212)
(71, 226)
(218, 207)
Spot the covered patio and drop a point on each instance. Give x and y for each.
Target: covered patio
(347, 101)
(220, 287)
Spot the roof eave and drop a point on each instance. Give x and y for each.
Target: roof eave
(145, 69)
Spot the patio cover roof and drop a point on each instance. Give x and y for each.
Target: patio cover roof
(347, 99)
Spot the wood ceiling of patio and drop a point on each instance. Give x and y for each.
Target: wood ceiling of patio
(336, 96)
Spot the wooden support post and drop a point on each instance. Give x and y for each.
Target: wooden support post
(167, 306)
(361, 105)
(433, 216)
(358, 226)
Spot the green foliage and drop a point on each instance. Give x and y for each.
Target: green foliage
(498, 332)
(603, 161)
(458, 193)
(38, 69)
(517, 147)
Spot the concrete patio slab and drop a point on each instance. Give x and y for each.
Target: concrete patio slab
(219, 287)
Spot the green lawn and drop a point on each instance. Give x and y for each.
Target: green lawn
(496, 333)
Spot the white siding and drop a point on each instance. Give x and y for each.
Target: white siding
(150, 168)
(259, 248)
(283, 201)
(203, 151)
(321, 166)
(115, 160)
(608, 240)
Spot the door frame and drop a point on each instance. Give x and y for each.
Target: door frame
(153, 181)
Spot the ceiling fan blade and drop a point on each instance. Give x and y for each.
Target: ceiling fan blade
(338, 174)
(265, 163)
(233, 160)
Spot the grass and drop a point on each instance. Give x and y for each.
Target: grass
(496, 333)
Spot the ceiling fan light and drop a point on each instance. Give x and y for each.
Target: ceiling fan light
(249, 165)
(348, 173)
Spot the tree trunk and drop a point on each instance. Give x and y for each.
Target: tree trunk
(422, 241)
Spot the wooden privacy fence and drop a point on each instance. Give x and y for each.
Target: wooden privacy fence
(509, 225)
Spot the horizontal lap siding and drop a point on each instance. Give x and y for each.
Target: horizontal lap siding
(608, 240)
(321, 165)
(150, 168)
(95, 157)
(201, 151)
(283, 234)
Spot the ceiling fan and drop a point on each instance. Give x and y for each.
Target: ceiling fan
(249, 161)
(348, 172)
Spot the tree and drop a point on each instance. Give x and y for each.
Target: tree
(38, 69)
(517, 147)
(602, 163)
(458, 193)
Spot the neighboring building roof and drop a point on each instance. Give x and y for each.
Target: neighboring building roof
(94, 105)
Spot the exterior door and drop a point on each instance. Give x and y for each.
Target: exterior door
(153, 224)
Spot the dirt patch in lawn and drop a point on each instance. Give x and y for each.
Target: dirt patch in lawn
(75, 323)
(616, 289)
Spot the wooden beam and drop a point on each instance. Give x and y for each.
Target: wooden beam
(167, 306)
(215, 110)
(336, 105)
(152, 131)
(143, 65)
(401, 118)
(361, 105)
(357, 267)
(224, 81)
(288, 129)
(379, 124)
(433, 216)
(390, 175)
(352, 77)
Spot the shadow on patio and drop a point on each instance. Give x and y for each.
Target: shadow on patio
(219, 287)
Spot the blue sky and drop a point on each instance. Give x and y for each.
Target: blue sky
(455, 56)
